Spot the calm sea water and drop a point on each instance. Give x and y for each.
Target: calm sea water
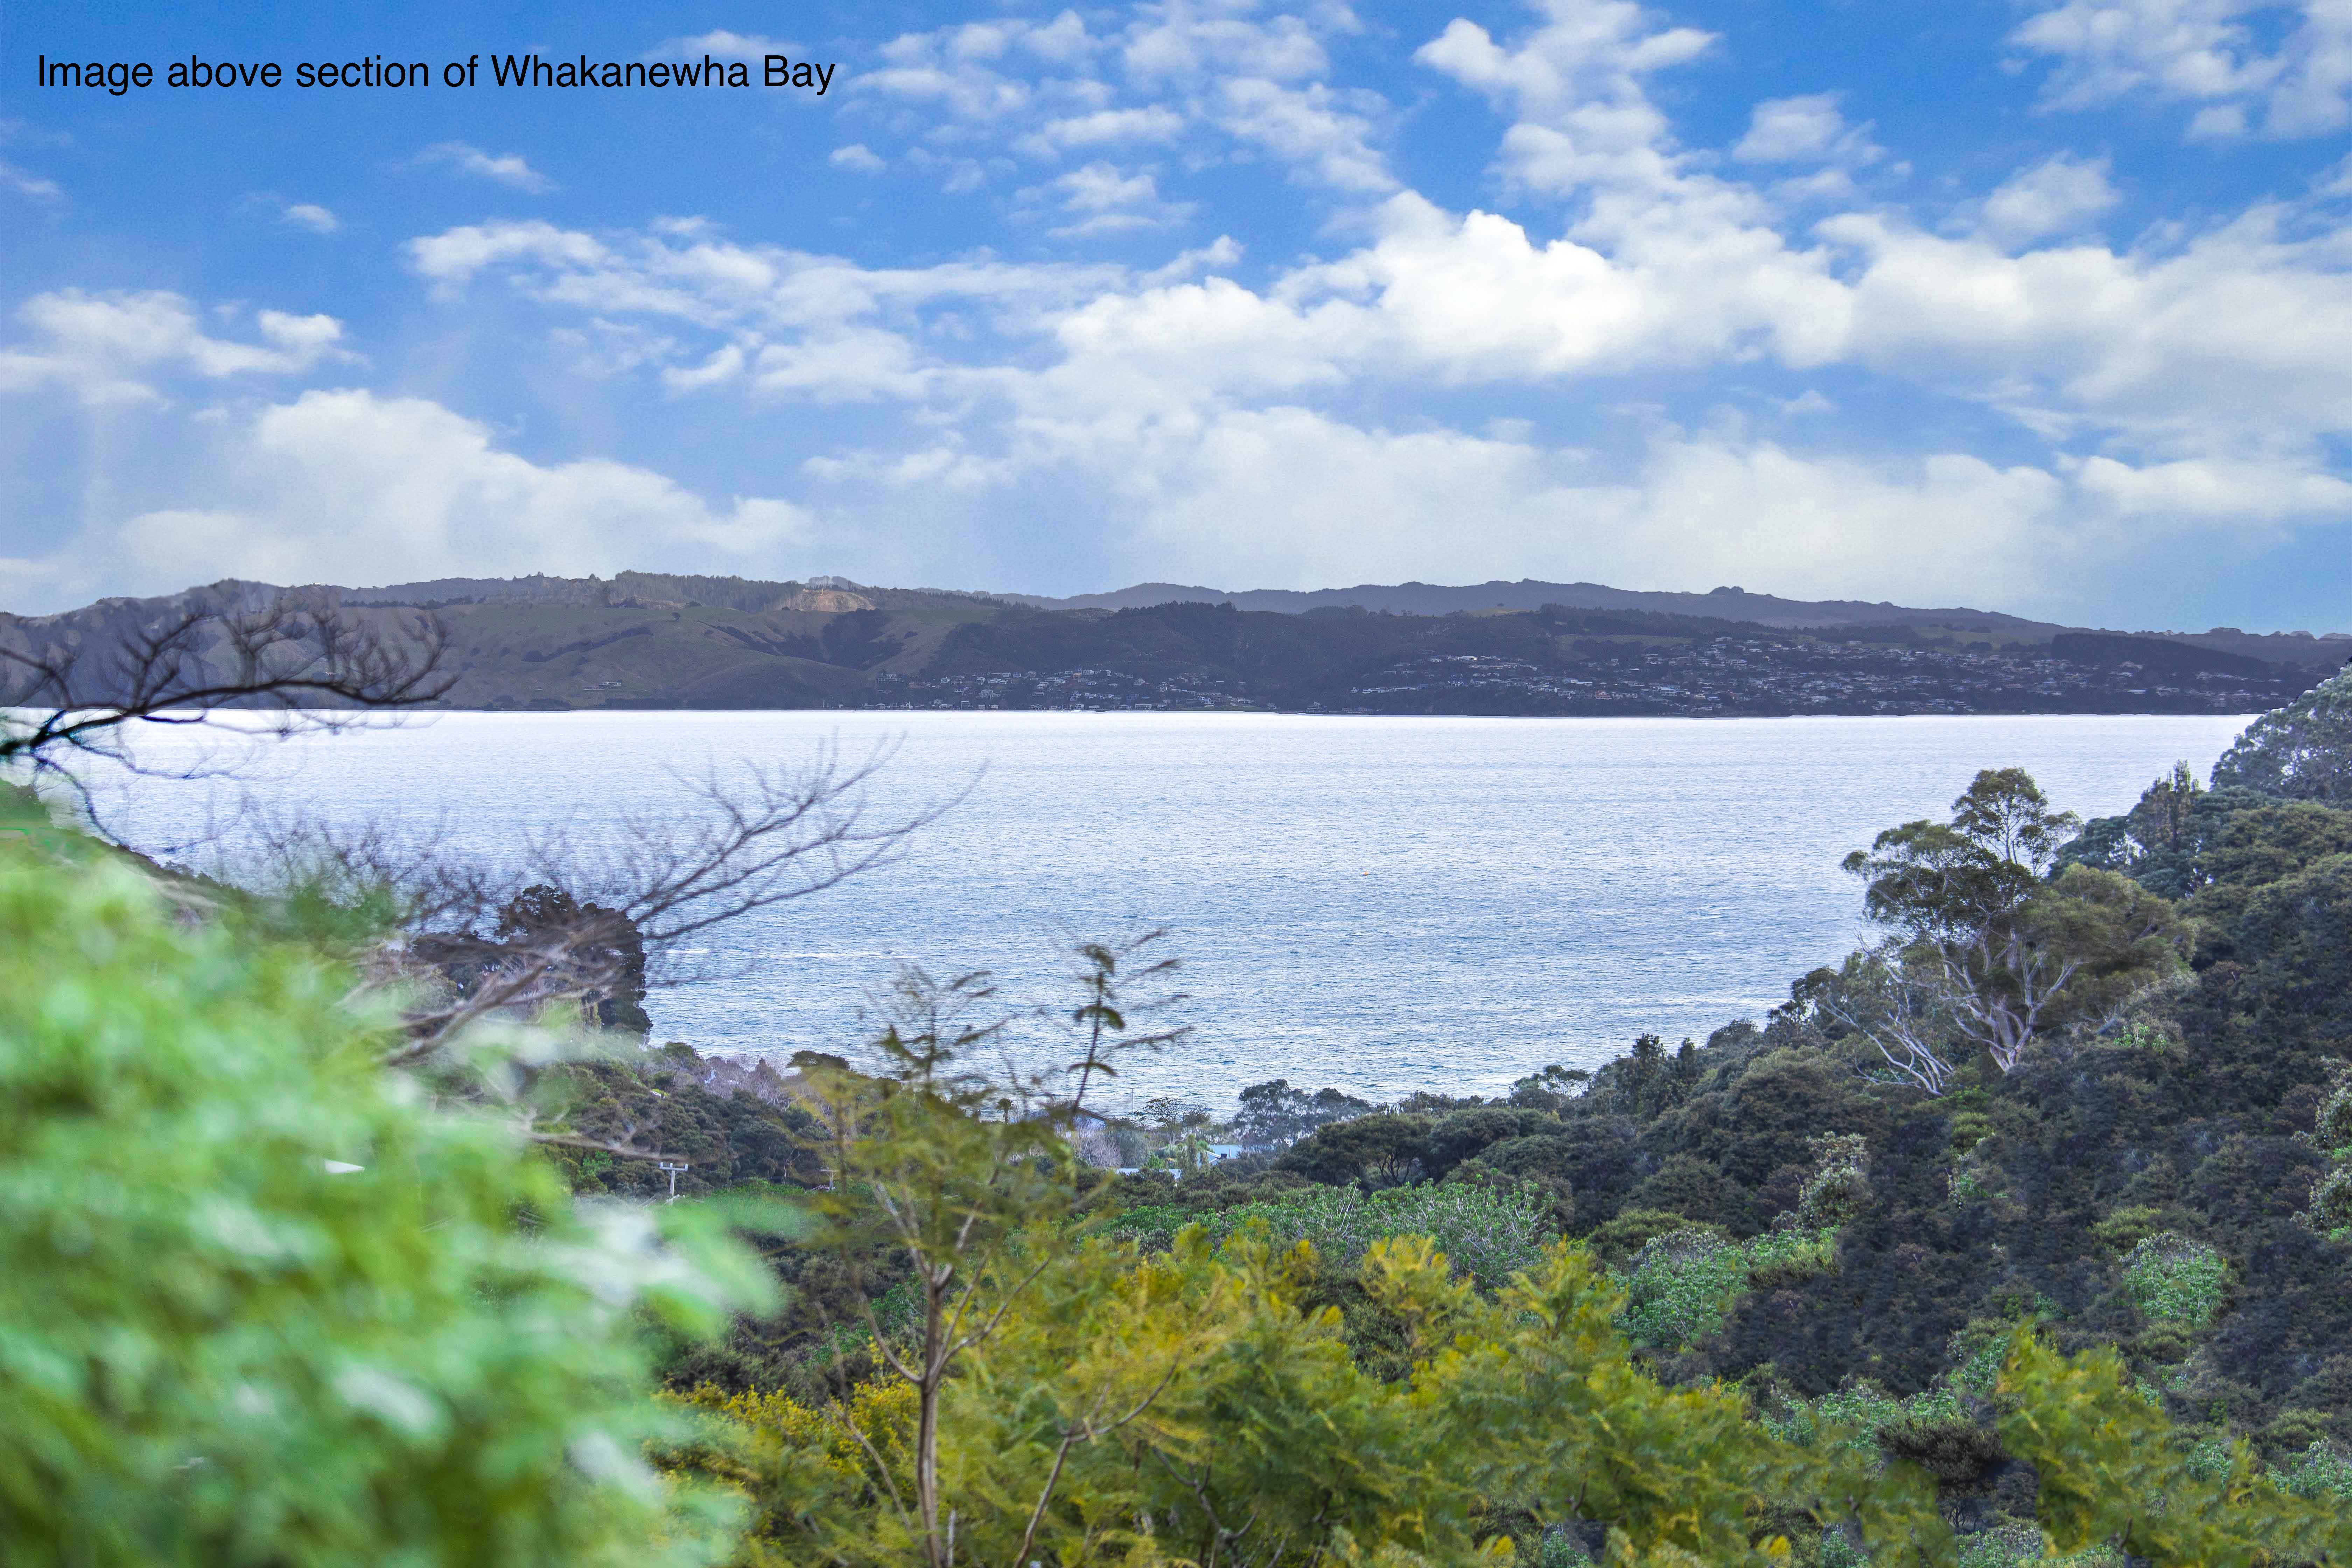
(1381, 904)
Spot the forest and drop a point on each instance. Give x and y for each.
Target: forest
(337, 1230)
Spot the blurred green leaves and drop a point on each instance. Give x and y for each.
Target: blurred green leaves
(219, 1344)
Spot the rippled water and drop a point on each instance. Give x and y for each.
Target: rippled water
(1383, 904)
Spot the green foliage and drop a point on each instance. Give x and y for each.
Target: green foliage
(2023, 1546)
(1839, 1187)
(223, 1345)
(1939, 882)
(2320, 1472)
(2114, 1470)
(1383, 1149)
(1206, 1406)
(1681, 1285)
(1274, 1115)
(1489, 1234)
(2174, 1279)
(2301, 751)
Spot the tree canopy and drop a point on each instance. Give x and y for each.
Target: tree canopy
(2300, 752)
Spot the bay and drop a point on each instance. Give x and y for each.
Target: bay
(1381, 904)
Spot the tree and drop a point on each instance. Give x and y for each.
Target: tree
(1946, 882)
(1272, 1115)
(2112, 1471)
(2300, 752)
(278, 664)
(1264, 1443)
(1879, 996)
(266, 1304)
(1990, 950)
(1384, 1149)
(1551, 1089)
(964, 1170)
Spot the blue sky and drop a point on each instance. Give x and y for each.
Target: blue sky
(2043, 306)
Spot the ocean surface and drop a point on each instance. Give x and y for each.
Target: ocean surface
(1383, 904)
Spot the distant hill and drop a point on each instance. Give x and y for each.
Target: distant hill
(658, 640)
(1430, 599)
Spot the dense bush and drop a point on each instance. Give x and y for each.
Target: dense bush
(265, 1303)
(1485, 1233)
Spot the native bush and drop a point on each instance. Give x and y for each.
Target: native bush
(1485, 1232)
(1681, 1286)
(2171, 1278)
(2320, 1471)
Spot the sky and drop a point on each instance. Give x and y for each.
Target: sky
(2034, 305)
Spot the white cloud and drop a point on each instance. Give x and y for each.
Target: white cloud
(110, 348)
(351, 487)
(1213, 70)
(26, 184)
(1317, 131)
(2233, 343)
(2059, 196)
(2231, 493)
(980, 71)
(1103, 127)
(1285, 495)
(310, 216)
(857, 156)
(507, 169)
(2207, 52)
(1808, 130)
(1103, 199)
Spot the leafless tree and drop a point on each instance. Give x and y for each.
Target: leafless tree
(287, 664)
(578, 920)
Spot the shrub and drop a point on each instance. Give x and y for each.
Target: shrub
(1681, 1286)
(1839, 1187)
(266, 1304)
(2320, 1471)
(1484, 1231)
(2171, 1278)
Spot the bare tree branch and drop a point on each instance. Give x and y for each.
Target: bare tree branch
(298, 663)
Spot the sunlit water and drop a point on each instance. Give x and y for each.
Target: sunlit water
(1383, 904)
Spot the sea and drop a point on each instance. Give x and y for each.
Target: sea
(1377, 904)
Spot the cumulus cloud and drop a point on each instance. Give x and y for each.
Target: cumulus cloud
(2059, 196)
(2205, 52)
(1808, 130)
(785, 322)
(857, 156)
(2227, 341)
(1290, 497)
(1101, 198)
(508, 169)
(1220, 76)
(1103, 127)
(112, 348)
(349, 486)
(722, 45)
